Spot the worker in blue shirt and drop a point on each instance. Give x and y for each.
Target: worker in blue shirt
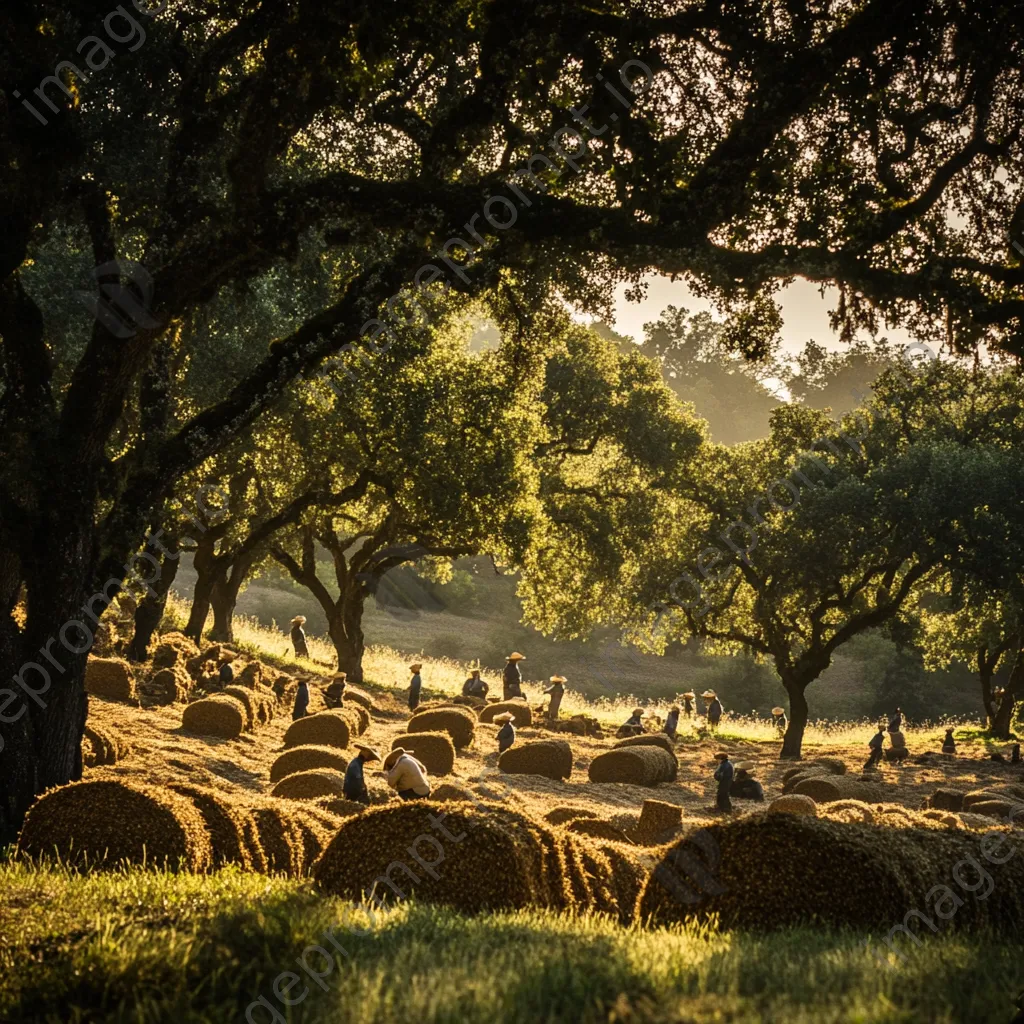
(355, 785)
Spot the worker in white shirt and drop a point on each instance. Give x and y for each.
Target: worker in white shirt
(406, 776)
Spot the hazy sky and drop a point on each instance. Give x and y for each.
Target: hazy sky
(804, 311)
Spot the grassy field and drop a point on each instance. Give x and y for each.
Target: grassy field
(145, 947)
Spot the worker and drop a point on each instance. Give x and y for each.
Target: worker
(672, 723)
(226, 674)
(507, 732)
(556, 691)
(301, 700)
(688, 699)
(896, 722)
(898, 751)
(949, 744)
(875, 746)
(744, 785)
(723, 776)
(415, 685)
(781, 722)
(354, 786)
(406, 776)
(633, 726)
(334, 695)
(714, 709)
(474, 686)
(511, 677)
(299, 637)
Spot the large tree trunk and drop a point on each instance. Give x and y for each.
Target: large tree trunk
(224, 597)
(203, 592)
(792, 743)
(151, 608)
(986, 670)
(1014, 687)
(346, 632)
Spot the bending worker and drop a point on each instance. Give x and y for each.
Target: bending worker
(406, 776)
(355, 785)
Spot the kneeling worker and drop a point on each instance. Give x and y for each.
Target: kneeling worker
(744, 785)
(355, 785)
(633, 726)
(406, 776)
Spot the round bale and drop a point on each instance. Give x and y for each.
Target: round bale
(793, 803)
(305, 759)
(522, 716)
(643, 765)
(114, 821)
(449, 791)
(500, 862)
(459, 723)
(328, 729)
(170, 685)
(280, 840)
(550, 758)
(947, 799)
(340, 807)
(824, 789)
(360, 697)
(658, 821)
(112, 678)
(227, 824)
(215, 716)
(655, 740)
(249, 701)
(317, 784)
(434, 749)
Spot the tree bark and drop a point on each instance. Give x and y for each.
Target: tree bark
(224, 597)
(346, 632)
(1004, 713)
(986, 669)
(792, 743)
(202, 594)
(151, 608)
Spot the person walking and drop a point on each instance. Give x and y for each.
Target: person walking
(511, 677)
(714, 709)
(672, 724)
(415, 685)
(334, 695)
(781, 722)
(724, 774)
(354, 786)
(875, 746)
(507, 732)
(688, 698)
(406, 776)
(299, 637)
(896, 722)
(633, 726)
(744, 785)
(556, 691)
(949, 744)
(299, 710)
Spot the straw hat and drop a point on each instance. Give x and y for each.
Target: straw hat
(722, 755)
(516, 656)
(558, 679)
(299, 620)
(339, 677)
(743, 766)
(416, 666)
(505, 716)
(474, 672)
(688, 695)
(778, 711)
(392, 758)
(639, 711)
(368, 752)
(709, 694)
(675, 709)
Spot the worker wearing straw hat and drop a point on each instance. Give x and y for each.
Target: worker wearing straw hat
(415, 685)
(723, 776)
(355, 785)
(633, 726)
(556, 691)
(672, 723)
(744, 785)
(511, 677)
(781, 723)
(406, 776)
(687, 699)
(875, 746)
(896, 722)
(474, 686)
(299, 637)
(301, 706)
(714, 709)
(507, 732)
(334, 695)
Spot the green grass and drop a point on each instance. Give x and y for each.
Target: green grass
(143, 947)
